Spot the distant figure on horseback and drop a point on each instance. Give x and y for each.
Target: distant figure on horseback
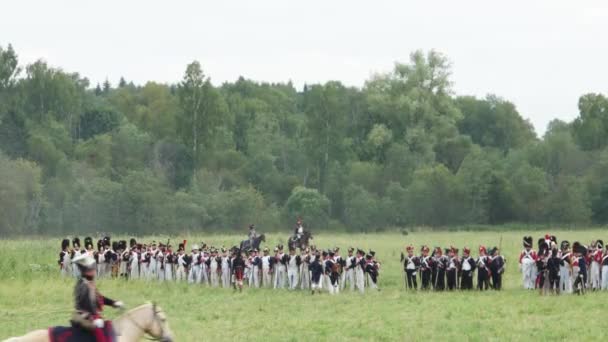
(254, 241)
(89, 303)
(301, 236)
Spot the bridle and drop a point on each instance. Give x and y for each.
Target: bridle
(156, 319)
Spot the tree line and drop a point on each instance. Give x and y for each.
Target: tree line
(400, 151)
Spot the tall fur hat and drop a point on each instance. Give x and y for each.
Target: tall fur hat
(115, 245)
(565, 245)
(88, 241)
(527, 242)
(600, 244)
(65, 244)
(132, 242)
(76, 242)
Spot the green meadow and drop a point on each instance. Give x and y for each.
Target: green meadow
(33, 295)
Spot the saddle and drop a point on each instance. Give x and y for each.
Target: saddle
(79, 334)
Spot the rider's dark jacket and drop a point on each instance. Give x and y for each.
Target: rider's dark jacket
(88, 303)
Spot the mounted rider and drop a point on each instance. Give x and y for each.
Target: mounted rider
(298, 230)
(252, 235)
(89, 302)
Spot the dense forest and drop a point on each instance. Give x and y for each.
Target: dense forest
(401, 151)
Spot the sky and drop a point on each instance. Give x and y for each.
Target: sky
(539, 54)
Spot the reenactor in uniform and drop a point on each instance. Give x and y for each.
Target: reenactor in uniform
(579, 267)
(440, 262)
(226, 268)
(238, 269)
(181, 272)
(360, 271)
(565, 268)
(483, 269)
(134, 262)
(452, 268)
(372, 270)
(293, 268)
(316, 272)
(267, 268)
(214, 265)
(194, 276)
(348, 273)
(467, 266)
(281, 268)
(304, 269)
(553, 266)
(527, 264)
(542, 282)
(605, 269)
(332, 273)
(124, 256)
(411, 264)
(596, 261)
(152, 268)
(64, 258)
(497, 268)
(256, 264)
(89, 302)
(169, 263)
(113, 256)
(426, 262)
(76, 252)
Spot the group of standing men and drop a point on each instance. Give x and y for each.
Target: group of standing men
(567, 269)
(307, 269)
(447, 270)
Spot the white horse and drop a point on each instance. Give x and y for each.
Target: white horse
(132, 326)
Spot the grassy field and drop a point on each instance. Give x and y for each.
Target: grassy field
(32, 295)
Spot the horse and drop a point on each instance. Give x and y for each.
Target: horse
(130, 327)
(293, 242)
(245, 244)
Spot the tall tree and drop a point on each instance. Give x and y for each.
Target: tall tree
(203, 110)
(591, 127)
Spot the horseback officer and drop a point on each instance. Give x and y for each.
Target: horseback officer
(89, 302)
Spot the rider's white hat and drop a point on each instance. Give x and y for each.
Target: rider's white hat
(84, 260)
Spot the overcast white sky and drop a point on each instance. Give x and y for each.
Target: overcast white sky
(540, 54)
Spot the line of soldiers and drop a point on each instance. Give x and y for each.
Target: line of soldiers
(447, 270)
(307, 269)
(566, 269)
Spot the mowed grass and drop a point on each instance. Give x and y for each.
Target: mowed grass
(32, 295)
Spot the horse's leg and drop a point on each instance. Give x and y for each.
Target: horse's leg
(34, 336)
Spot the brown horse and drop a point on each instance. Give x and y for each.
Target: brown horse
(130, 327)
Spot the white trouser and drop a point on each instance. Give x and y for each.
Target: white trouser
(168, 272)
(292, 277)
(65, 270)
(144, 270)
(214, 277)
(160, 272)
(604, 277)
(348, 277)
(204, 274)
(565, 279)
(134, 271)
(152, 270)
(305, 277)
(528, 271)
(180, 274)
(195, 274)
(360, 280)
(595, 275)
(225, 278)
(279, 282)
(254, 277)
(266, 277)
